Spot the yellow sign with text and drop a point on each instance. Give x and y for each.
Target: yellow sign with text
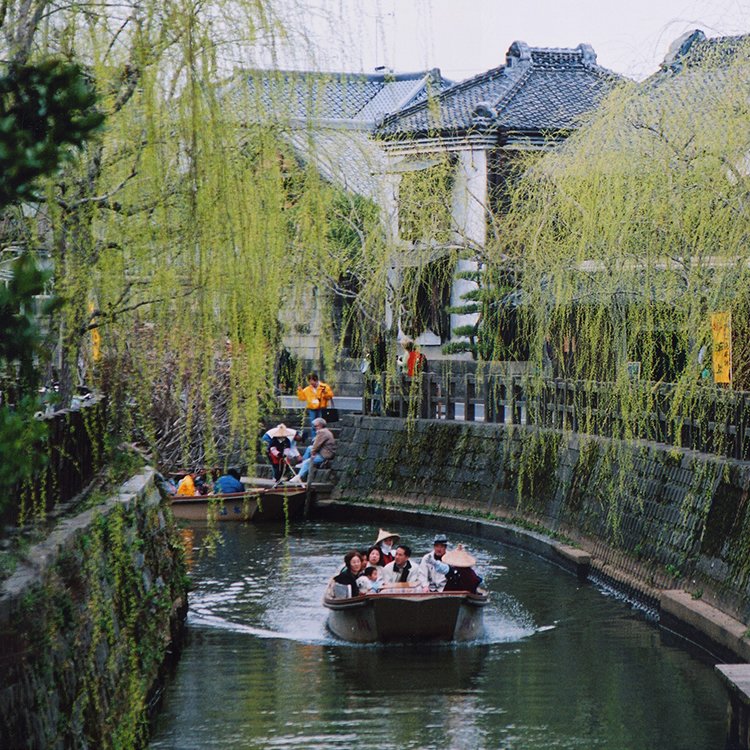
(721, 332)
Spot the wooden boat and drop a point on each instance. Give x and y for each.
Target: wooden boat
(257, 504)
(403, 613)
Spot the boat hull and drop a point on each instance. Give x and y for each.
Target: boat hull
(407, 616)
(259, 505)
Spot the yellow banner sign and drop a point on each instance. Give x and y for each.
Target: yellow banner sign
(721, 331)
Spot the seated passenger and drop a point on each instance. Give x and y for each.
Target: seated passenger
(400, 570)
(186, 485)
(432, 569)
(375, 557)
(385, 542)
(368, 582)
(229, 482)
(461, 576)
(352, 571)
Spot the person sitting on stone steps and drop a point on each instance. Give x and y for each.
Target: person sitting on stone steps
(323, 449)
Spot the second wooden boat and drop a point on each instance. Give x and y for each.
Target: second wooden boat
(257, 505)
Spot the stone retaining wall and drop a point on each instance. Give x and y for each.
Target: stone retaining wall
(85, 625)
(653, 518)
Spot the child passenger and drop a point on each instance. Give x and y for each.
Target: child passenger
(369, 582)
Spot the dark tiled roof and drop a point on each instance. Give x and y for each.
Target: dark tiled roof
(536, 90)
(307, 96)
(694, 50)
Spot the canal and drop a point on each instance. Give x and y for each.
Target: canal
(564, 664)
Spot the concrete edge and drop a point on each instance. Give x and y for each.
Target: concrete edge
(40, 556)
(678, 610)
(725, 631)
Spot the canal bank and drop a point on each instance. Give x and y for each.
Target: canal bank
(86, 622)
(663, 525)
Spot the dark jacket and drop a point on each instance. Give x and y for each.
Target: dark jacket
(462, 579)
(348, 579)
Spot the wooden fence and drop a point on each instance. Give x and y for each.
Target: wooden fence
(706, 419)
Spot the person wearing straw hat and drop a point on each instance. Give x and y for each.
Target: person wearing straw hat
(461, 576)
(385, 542)
(432, 569)
(278, 440)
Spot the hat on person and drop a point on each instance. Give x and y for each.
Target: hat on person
(281, 430)
(459, 558)
(440, 539)
(383, 534)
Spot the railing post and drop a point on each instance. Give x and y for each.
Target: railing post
(470, 392)
(450, 397)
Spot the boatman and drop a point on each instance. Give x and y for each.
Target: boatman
(432, 569)
(462, 576)
(400, 570)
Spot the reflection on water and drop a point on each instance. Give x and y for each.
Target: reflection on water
(561, 666)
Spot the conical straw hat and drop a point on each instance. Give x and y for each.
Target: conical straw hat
(281, 430)
(459, 558)
(383, 534)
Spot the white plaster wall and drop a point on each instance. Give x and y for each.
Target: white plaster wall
(469, 217)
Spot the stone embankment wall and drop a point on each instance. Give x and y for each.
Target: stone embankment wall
(86, 624)
(653, 518)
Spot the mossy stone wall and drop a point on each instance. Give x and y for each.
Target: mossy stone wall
(660, 517)
(86, 624)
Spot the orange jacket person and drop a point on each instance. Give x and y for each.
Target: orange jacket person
(317, 395)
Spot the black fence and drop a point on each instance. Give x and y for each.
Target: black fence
(69, 457)
(702, 418)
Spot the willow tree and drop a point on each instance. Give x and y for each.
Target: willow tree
(176, 238)
(631, 235)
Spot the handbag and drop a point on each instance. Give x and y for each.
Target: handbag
(331, 413)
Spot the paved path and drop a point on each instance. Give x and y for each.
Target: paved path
(353, 404)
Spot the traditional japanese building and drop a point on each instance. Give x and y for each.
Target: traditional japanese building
(463, 143)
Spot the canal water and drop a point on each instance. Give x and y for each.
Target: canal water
(564, 664)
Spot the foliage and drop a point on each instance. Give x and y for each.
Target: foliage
(47, 109)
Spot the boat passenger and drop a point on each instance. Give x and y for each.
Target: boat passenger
(432, 569)
(368, 582)
(385, 542)
(352, 571)
(323, 449)
(229, 482)
(186, 485)
(375, 557)
(462, 576)
(400, 570)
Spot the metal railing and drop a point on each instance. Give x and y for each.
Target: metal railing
(705, 419)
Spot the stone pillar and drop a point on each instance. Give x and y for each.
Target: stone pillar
(736, 678)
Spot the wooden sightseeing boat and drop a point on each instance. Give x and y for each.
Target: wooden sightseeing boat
(403, 613)
(257, 504)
